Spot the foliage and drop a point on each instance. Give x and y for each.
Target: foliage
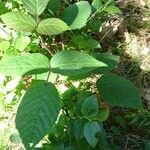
(49, 42)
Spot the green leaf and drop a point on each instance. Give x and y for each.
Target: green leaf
(52, 26)
(78, 126)
(27, 64)
(73, 62)
(3, 8)
(86, 42)
(104, 114)
(54, 5)
(19, 21)
(97, 4)
(112, 9)
(4, 45)
(90, 107)
(22, 43)
(76, 15)
(90, 130)
(119, 92)
(109, 59)
(37, 112)
(35, 7)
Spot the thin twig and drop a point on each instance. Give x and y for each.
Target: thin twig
(125, 147)
(43, 45)
(48, 75)
(100, 9)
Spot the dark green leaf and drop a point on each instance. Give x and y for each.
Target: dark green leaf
(76, 15)
(78, 127)
(37, 112)
(97, 4)
(19, 21)
(54, 5)
(86, 42)
(104, 114)
(118, 91)
(90, 130)
(109, 59)
(27, 64)
(90, 107)
(73, 62)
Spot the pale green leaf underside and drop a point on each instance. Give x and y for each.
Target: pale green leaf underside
(73, 63)
(27, 64)
(52, 26)
(76, 15)
(90, 130)
(35, 7)
(19, 21)
(37, 112)
(119, 92)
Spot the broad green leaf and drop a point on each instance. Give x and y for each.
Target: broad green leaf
(90, 131)
(4, 45)
(95, 25)
(112, 9)
(109, 59)
(76, 15)
(80, 99)
(35, 7)
(73, 62)
(70, 93)
(22, 43)
(27, 64)
(52, 26)
(78, 126)
(37, 112)
(19, 21)
(54, 5)
(97, 4)
(86, 42)
(119, 92)
(90, 107)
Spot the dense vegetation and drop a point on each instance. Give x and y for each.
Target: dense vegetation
(61, 83)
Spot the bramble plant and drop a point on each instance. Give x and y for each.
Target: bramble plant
(50, 45)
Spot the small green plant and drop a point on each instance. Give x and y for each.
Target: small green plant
(71, 119)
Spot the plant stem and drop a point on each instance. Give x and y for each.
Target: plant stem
(43, 45)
